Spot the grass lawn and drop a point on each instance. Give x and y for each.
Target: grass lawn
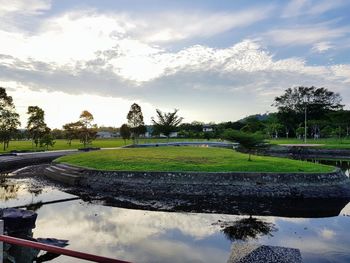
(329, 143)
(187, 159)
(101, 143)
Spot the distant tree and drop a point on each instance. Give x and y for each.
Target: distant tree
(191, 130)
(47, 140)
(141, 130)
(36, 125)
(87, 130)
(9, 119)
(248, 142)
(299, 132)
(338, 132)
(273, 129)
(208, 135)
(318, 101)
(125, 132)
(326, 132)
(252, 124)
(135, 121)
(57, 134)
(71, 131)
(166, 123)
(312, 102)
(341, 120)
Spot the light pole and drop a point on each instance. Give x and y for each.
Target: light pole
(305, 121)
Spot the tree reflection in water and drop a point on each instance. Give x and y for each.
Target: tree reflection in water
(246, 228)
(8, 190)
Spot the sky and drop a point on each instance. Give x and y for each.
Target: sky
(213, 60)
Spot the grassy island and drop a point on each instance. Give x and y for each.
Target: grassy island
(195, 159)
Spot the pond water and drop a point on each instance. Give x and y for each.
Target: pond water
(343, 164)
(146, 236)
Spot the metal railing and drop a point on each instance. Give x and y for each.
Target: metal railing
(52, 249)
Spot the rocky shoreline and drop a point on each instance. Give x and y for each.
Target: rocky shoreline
(170, 194)
(284, 185)
(210, 192)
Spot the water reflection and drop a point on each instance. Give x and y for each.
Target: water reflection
(19, 223)
(247, 228)
(145, 236)
(27, 192)
(8, 191)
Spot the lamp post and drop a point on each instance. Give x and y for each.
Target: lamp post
(305, 120)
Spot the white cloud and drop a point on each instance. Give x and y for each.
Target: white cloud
(178, 26)
(224, 78)
(309, 7)
(322, 47)
(24, 7)
(116, 54)
(65, 39)
(327, 233)
(305, 35)
(74, 36)
(342, 71)
(294, 8)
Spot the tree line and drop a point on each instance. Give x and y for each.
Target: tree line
(301, 111)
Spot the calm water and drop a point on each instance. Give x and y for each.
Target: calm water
(144, 236)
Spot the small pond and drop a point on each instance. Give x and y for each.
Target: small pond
(146, 236)
(343, 164)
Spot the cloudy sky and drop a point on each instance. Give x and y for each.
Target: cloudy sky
(213, 60)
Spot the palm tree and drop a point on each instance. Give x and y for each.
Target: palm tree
(167, 122)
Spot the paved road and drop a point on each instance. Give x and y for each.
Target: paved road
(8, 162)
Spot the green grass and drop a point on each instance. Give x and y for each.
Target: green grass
(330, 143)
(101, 143)
(187, 159)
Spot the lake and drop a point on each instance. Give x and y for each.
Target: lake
(148, 236)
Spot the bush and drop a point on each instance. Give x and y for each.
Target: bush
(247, 141)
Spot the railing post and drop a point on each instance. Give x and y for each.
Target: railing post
(1, 243)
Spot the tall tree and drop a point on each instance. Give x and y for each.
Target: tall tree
(9, 119)
(319, 101)
(87, 129)
(135, 121)
(299, 104)
(36, 125)
(125, 132)
(167, 122)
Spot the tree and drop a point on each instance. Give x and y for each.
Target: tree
(273, 129)
(135, 121)
(71, 131)
(87, 130)
(299, 132)
(125, 132)
(249, 142)
(9, 119)
(47, 140)
(167, 122)
(298, 104)
(252, 124)
(36, 125)
(341, 121)
(318, 101)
